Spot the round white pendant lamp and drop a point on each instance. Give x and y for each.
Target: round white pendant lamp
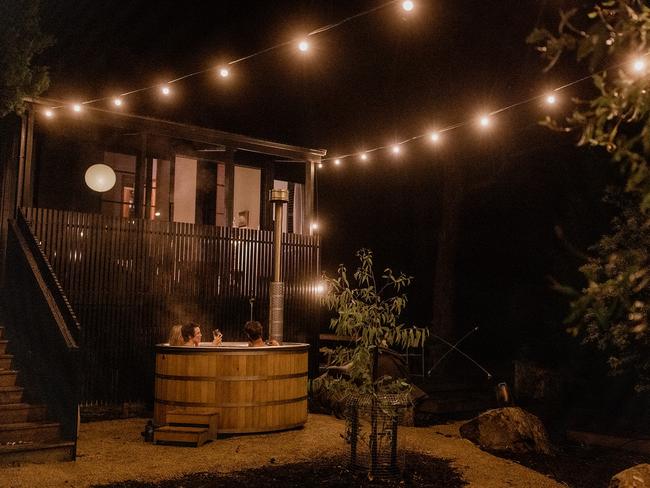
(100, 177)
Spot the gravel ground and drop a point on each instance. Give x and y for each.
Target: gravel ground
(113, 451)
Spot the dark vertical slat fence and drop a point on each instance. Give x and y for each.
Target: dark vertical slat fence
(130, 280)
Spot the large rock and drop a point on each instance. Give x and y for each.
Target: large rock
(508, 429)
(635, 477)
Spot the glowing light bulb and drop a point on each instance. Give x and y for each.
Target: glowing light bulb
(364, 157)
(165, 90)
(157, 214)
(303, 46)
(638, 65)
(117, 101)
(76, 107)
(434, 136)
(320, 165)
(337, 162)
(408, 5)
(395, 149)
(314, 226)
(224, 72)
(49, 113)
(320, 289)
(484, 121)
(551, 99)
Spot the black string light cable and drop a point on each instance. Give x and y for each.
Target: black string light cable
(637, 66)
(223, 70)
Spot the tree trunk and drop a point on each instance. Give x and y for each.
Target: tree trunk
(448, 236)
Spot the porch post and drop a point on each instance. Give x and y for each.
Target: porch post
(140, 176)
(310, 177)
(25, 191)
(229, 161)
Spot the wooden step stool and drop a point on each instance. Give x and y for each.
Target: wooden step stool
(205, 418)
(196, 436)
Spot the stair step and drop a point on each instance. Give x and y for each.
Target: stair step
(22, 412)
(3, 346)
(42, 432)
(206, 418)
(186, 435)
(11, 394)
(8, 377)
(5, 361)
(12, 455)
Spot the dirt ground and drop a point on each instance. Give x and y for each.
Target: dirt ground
(113, 451)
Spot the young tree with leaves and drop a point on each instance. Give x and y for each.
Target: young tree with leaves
(367, 310)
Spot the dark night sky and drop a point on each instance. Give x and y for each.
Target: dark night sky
(373, 80)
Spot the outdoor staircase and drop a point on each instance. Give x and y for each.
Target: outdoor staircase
(26, 434)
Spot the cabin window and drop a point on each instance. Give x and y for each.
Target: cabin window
(221, 211)
(292, 212)
(185, 171)
(118, 201)
(246, 201)
(160, 189)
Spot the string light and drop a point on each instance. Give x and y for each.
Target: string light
(302, 45)
(549, 98)
(408, 5)
(639, 65)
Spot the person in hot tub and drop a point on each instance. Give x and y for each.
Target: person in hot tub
(175, 336)
(253, 330)
(191, 333)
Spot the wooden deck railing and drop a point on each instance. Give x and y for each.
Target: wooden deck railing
(130, 280)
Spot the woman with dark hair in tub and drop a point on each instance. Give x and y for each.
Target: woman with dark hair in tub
(253, 330)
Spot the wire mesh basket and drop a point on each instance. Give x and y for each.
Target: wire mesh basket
(371, 428)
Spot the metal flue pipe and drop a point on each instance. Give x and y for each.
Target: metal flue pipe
(276, 290)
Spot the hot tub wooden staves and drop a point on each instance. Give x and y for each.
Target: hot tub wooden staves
(253, 389)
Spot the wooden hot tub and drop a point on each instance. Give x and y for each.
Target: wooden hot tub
(254, 389)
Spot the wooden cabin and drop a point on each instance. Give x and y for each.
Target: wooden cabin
(93, 280)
